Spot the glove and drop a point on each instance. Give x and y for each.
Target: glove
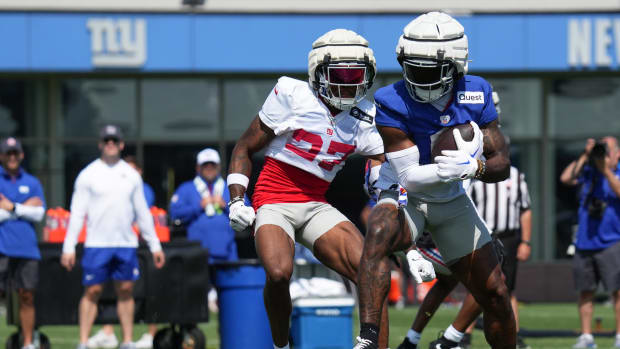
(421, 269)
(474, 147)
(455, 165)
(371, 175)
(241, 216)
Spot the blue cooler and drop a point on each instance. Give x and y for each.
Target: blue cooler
(322, 323)
(243, 319)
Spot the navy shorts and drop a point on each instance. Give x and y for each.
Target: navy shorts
(101, 264)
(21, 273)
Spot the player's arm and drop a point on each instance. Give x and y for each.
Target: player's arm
(404, 158)
(255, 138)
(496, 152)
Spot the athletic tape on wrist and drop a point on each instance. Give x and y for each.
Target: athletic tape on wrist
(238, 178)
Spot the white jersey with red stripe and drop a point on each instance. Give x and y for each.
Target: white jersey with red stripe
(310, 139)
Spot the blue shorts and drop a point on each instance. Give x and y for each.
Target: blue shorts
(101, 264)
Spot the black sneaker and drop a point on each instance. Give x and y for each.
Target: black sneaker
(465, 343)
(521, 344)
(443, 343)
(406, 344)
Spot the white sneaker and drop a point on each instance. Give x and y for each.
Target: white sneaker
(102, 340)
(145, 342)
(617, 343)
(585, 341)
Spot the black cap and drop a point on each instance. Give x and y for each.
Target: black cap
(9, 144)
(111, 131)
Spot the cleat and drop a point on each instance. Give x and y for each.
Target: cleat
(443, 343)
(363, 343)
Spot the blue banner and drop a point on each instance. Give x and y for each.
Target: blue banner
(85, 42)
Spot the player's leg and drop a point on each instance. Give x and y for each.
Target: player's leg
(276, 248)
(337, 243)
(481, 274)
(389, 229)
(464, 241)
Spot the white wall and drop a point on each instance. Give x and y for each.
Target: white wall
(318, 6)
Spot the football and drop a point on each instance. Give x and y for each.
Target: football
(445, 140)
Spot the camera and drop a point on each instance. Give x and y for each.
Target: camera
(596, 208)
(598, 151)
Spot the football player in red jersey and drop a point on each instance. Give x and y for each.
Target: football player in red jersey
(307, 129)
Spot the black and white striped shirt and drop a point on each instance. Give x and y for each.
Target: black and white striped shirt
(501, 204)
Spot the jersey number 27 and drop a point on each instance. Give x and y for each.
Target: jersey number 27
(316, 143)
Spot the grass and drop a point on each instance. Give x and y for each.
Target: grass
(533, 316)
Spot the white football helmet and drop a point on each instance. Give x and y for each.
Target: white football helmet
(341, 68)
(433, 54)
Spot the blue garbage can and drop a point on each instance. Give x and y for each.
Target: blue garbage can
(243, 319)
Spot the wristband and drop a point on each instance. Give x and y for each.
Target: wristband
(235, 199)
(238, 178)
(526, 242)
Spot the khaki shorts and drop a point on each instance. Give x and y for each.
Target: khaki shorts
(456, 226)
(303, 222)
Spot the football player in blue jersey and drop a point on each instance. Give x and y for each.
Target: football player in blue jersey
(436, 93)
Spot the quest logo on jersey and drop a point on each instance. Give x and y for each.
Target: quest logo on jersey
(470, 97)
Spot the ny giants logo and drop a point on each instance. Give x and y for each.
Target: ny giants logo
(330, 132)
(117, 42)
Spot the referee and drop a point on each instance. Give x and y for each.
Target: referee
(505, 207)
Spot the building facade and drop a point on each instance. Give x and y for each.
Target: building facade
(178, 81)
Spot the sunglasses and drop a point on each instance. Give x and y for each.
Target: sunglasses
(111, 139)
(12, 152)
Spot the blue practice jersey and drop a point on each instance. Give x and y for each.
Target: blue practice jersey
(471, 101)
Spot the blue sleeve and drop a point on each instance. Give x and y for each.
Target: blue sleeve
(184, 206)
(387, 117)
(489, 113)
(149, 195)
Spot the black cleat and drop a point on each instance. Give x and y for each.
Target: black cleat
(466, 341)
(521, 344)
(406, 344)
(443, 343)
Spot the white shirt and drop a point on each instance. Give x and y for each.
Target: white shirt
(309, 137)
(111, 197)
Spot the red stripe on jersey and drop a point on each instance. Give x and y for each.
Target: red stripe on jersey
(280, 182)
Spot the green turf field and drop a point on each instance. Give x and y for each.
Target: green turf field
(533, 316)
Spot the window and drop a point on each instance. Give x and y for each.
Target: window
(180, 109)
(584, 107)
(88, 104)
